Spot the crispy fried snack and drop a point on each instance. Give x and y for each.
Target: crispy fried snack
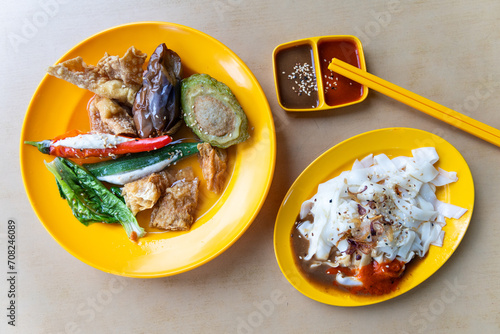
(174, 211)
(113, 77)
(213, 162)
(144, 193)
(96, 123)
(115, 117)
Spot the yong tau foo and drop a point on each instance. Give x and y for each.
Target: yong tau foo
(142, 123)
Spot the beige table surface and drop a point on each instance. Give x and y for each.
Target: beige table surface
(448, 51)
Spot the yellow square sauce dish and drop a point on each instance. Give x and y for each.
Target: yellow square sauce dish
(303, 81)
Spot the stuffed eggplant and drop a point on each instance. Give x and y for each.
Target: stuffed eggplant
(156, 108)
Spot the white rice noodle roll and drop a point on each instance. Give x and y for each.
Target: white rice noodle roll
(405, 208)
(342, 245)
(429, 234)
(422, 170)
(357, 176)
(328, 187)
(428, 193)
(366, 259)
(330, 237)
(405, 252)
(422, 215)
(342, 261)
(411, 184)
(400, 162)
(347, 280)
(440, 239)
(321, 212)
(385, 253)
(357, 165)
(444, 178)
(384, 164)
(315, 235)
(376, 176)
(367, 161)
(305, 229)
(449, 210)
(428, 154)
(425, 205)
(305, 208)
(440, 220)
(323, 250)
(388, 252)
(320, 221)
(372, 189)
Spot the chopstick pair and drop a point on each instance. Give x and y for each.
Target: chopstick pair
(452, 117)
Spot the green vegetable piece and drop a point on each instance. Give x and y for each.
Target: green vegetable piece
(138, 162)
(61, 191)
(90, 200)
(117, 191)
(211, 110)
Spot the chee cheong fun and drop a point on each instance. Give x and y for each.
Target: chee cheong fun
(363, 226)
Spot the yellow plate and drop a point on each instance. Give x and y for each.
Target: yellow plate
(393, 142)
(58, 106)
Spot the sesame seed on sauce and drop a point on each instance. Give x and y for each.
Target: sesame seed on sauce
(304, 78)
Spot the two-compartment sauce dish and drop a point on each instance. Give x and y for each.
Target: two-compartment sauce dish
(302, 78)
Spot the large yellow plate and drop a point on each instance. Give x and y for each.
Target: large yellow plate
(393, 142)
(58, 106)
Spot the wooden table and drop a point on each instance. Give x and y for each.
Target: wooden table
(447, 51)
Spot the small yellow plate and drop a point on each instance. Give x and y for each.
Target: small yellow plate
(58, 106)
(393, 142)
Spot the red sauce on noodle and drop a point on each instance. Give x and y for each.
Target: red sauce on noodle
(377, 278)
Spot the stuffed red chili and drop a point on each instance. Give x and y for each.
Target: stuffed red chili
(76, 144)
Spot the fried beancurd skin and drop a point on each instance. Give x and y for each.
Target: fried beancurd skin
(112, 77)
(213, 162)
(175, 209)
(144, 193)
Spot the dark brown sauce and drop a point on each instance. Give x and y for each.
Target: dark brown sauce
(337, 88)
(300, 245)
(296, 77)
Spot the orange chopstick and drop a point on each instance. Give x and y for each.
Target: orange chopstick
(452, 117)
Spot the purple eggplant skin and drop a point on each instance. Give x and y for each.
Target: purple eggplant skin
(156, 108)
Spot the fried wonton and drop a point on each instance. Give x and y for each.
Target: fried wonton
(115, 117)
(96, 124)
(112, 77)
(213, 162)
(174, 211)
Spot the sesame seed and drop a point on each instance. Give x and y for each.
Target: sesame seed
(304, 78)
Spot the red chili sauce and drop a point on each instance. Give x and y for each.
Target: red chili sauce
(337, 88)
(378, 278)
